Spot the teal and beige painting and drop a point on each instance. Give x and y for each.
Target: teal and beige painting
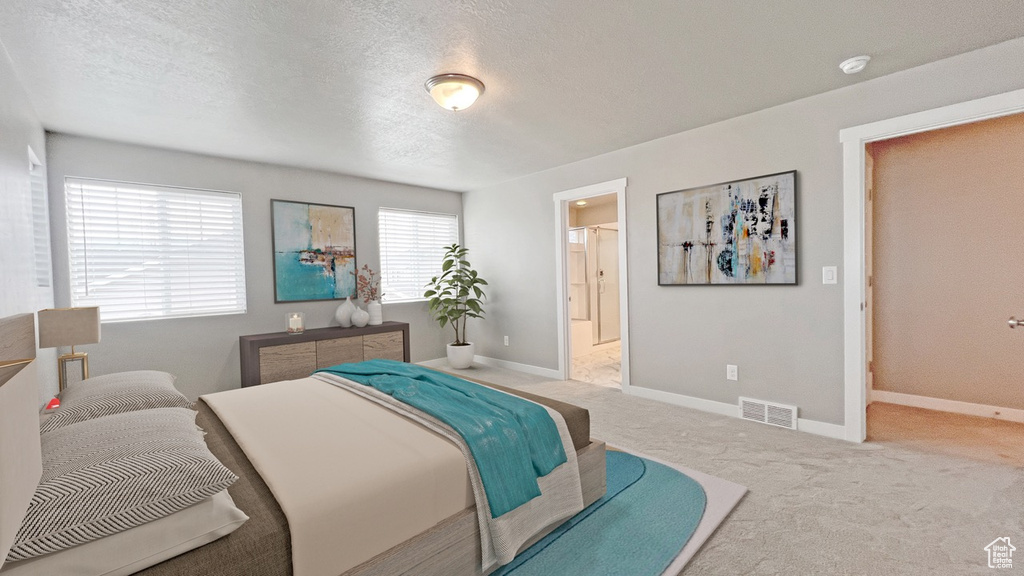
(314, 251)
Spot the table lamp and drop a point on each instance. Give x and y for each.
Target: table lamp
(69, 327)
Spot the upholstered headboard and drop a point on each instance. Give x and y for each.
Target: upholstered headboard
(20, 459)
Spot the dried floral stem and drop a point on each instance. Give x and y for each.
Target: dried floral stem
(368, 284)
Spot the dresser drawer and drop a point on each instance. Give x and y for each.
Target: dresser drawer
(287, 361)
(339, 351)
(388, 345)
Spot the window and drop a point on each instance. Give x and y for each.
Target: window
(411, 247)
(40, 219)
(141, 251)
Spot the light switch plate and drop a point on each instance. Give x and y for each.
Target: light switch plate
(829, 274)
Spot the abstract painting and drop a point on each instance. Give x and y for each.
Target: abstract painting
(314, 251)
(741, 232)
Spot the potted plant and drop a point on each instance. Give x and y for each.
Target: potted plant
(454, 296)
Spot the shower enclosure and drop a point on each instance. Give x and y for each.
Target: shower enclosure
(594, 285)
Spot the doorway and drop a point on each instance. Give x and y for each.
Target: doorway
(593, 295)
(941, 216)
(591, 277)
(855, 188)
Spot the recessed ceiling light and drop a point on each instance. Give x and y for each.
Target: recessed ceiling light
(855, 64)
(581, 202)
(454, 91)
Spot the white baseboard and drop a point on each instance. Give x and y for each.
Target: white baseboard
(826, 429)
(942, 405)
(804, 425)
(701, 404)
(525, 368)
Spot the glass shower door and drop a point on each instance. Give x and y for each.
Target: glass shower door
(607, 284)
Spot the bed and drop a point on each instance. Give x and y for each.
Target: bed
(263, 544)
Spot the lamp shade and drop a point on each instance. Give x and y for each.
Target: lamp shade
(454, 91)
(69, 326)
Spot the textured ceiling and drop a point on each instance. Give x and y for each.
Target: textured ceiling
(338, 85)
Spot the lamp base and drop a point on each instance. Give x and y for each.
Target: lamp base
(62, 366)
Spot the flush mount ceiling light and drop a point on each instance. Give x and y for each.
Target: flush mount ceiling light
(581, 202)
(454, 91)
(855, 64)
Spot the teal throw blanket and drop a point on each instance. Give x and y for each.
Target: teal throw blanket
(513, 441)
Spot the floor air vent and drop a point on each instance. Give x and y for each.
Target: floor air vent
(768, 413)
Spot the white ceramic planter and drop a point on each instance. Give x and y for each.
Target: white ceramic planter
(460, 357)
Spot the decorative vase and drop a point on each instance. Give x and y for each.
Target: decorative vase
(460, 357)
(360, 317)
(376, 312)
(344, 313)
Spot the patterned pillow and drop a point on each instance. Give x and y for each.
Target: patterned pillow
(109, 474)
(114, 394)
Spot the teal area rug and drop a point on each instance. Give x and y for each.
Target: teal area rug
(646, 517)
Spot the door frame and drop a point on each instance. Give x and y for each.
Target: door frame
(561, 200)
(854, 140)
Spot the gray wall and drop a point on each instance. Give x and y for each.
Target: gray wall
(19, 293)
(203, 352)
(787, 341)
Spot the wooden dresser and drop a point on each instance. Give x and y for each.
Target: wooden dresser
(282, 356)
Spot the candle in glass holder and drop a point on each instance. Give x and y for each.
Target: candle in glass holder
(296, 322)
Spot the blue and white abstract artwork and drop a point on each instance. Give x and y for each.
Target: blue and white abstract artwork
(314, 251)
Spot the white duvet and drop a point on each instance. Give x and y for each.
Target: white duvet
(355, 479)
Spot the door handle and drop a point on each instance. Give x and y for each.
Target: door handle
(1013, 322)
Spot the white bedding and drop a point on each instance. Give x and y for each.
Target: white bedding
(353, 478)
(561, 493)
(138, 548)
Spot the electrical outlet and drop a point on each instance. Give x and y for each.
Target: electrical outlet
(506, 340)
(731, 372)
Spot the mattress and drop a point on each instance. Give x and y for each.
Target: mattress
(262, 546)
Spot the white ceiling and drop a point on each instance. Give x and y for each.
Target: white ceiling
(338, 85)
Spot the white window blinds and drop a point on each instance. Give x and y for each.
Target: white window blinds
(412, 245)
(141, 251)
(40, 223)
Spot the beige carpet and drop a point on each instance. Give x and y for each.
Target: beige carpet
(816, 506)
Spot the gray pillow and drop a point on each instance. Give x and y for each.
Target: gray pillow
(115, 394)
(109, 474)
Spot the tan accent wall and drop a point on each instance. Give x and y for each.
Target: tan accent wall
(949, 263)
(599, 210)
